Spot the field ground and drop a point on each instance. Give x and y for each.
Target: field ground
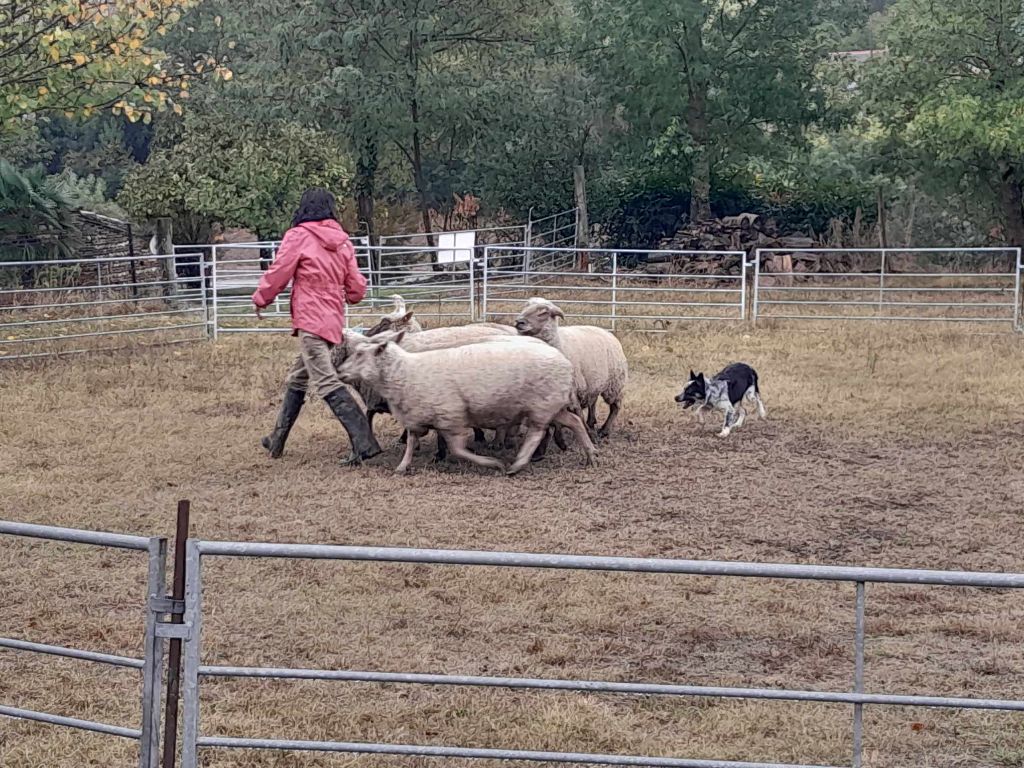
(886, 446)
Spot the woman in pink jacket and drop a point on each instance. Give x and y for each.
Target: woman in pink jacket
(317, 257)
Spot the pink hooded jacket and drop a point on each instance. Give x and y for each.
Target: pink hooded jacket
(321, 259)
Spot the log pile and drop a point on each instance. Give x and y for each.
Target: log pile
(745, 232)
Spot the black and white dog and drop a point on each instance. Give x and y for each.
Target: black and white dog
(724, 392)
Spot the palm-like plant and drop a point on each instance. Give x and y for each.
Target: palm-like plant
(36, 222)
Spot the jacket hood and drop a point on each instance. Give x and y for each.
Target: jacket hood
(328, 232)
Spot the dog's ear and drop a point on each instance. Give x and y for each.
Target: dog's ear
(692, 375)
(700, 377)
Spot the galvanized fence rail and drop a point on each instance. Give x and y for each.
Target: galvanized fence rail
(74, 306)
(613, 288)
(439, 293)
(195, 671)
(150, 665)
(958, 285)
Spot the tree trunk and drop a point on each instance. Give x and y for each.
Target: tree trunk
(363, 186)
(700, 175)
(417, 172)
(1011, 199)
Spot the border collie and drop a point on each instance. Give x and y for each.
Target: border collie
(724, 392)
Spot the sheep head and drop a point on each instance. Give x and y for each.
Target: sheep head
(538, 317)
(391, 323)
(363, 358)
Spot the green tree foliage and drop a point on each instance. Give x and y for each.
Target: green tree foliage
(35, 217)
(247, 174)
(75, 57)
(713, 81)
(417, 79)
(950, 92)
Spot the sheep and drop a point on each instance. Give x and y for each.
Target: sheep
(436, 338)
(598, 361)
(491, 383)
(396, 320)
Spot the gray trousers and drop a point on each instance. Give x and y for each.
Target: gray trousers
(314, 368)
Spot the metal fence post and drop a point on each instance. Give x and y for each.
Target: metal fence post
(190, 679)
(1016, 293)
(881, 284)
(472, 290)
(174, 655)
(858, 678)
(743, 287)
(483, 298)
(757, 285)
(615, 275)
(202, 291)
(213, 291)
(153, 656)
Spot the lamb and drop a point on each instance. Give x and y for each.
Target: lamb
(492, 383)
(599, 363)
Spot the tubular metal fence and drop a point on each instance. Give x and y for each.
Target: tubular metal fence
(195, 671)
(961, 285)
(74, 306)
(60, 307)
(150, 665)
(614, 288)
(190, 632)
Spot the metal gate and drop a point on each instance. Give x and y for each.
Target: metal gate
(961, 285)
(195, 671)
(620, 289)
(150, 665)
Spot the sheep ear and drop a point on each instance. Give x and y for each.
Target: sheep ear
(407, 316)
(399, 337)
(556, 312)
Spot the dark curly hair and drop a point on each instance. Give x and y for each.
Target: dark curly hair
(316, 204)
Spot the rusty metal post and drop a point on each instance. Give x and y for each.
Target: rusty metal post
(174, 655)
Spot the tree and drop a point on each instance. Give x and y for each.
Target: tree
(950, 93)
(75, 57)
(248, 174)
(409, 77)
(713, 80)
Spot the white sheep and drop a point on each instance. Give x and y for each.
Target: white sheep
(434, 338)
(490, 383)
(598, 361)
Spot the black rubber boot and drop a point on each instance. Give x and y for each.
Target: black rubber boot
(364, 444)
(290, 407)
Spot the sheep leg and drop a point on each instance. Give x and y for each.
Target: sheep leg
(457, 446)
(573, 422)
(591, 417)
(410, 450)
(500, 436)
(542, 446)
(606, 428)
(442, 448)
(560, 438)
(533, 439)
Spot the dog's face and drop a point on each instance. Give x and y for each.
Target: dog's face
(695, 391)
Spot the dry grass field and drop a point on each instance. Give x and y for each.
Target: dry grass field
(886, 445)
